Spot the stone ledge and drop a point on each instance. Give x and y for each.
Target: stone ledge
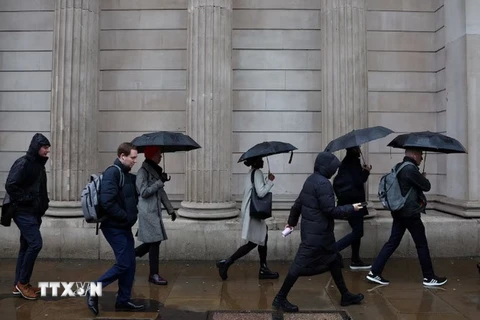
(448, 236)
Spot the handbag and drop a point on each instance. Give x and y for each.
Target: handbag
(8, 211)
(260, 208)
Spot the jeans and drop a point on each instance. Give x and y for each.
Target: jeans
(30, 245)
(417, 230)
(123, 270)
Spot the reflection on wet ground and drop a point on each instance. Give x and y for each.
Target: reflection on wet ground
(195, 288)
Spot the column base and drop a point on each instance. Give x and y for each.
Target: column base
(65, 209)
(199, 210)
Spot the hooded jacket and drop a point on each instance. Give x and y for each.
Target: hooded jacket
(316, 206)
(27, 180)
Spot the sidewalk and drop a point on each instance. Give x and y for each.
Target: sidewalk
(195, 288)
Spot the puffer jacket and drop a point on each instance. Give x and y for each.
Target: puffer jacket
(27, 180)
(316, 206)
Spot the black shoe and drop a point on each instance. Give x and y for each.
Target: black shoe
(156, 279)
(377, 278)
(350, 298)
(359, 265)
(435, 281)
(223, 266)
(265, 273)
(92, 303)
(129, 306)
(284, 304)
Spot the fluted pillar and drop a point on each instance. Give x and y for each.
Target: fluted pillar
(74, 101)
(208, 192)
(344, 68)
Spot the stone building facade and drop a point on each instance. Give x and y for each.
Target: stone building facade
(231, 73)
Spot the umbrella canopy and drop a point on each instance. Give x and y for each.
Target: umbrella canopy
(428, 141)
(167, 140)
(267, 148)
(357, 137)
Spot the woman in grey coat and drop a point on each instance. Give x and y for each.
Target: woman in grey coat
(151, 231)
(253, 230)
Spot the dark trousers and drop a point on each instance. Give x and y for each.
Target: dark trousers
(246, 248)
(417, 231)
(123, 270)
(30, 245)
(335, 269)
(354, 238)
(153, 250)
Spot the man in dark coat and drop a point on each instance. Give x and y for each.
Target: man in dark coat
(119, 202)
(317, 252)
(408, 218)
(349, 188)
(27, 187)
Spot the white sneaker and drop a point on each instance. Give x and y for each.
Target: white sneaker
(434, 282)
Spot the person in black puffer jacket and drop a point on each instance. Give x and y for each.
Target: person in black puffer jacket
(408, 218)
(317, 252)
(120, 206)
(349, 186)
(27, 187)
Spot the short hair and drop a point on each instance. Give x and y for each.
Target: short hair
(125, 148)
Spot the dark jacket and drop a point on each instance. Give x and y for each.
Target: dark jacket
(119, 204)
(27, 180)
(316, 205)
(349, 183)
(410, 177)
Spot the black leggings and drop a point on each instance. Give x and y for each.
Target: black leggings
(153, 250)
(335, 269)
(245, 249)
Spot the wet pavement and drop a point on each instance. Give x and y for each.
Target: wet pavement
(195, 288)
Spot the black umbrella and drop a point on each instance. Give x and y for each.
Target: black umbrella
(428, 141)
(167, 140)
(357, 137)
(267, 148)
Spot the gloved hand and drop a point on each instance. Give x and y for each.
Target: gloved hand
(173, 215)
(164, 177)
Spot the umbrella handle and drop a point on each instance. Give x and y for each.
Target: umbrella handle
(268, 163)
(424, 162)
(291, 156)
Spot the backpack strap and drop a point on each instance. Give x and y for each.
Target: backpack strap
(122, 177)
(403, 165)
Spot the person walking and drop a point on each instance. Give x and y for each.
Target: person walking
(254, 230)
(26, 186)
(317, 252)
(349, 187)
(412, 184)
(151, 230)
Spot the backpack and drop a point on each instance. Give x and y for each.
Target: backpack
(91, 208)
(389, 191)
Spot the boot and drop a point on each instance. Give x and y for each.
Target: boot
(223, 266)
(350, 298)
(281, 302)
(265, 273)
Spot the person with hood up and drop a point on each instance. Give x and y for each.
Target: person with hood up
(317, 252)
(253, 230)
(27, 187)
(349, 187)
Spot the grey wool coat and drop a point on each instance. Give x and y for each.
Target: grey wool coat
(151, 197)
(254, 230)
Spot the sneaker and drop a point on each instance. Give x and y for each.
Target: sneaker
(377, 278)
(359, 265)
(434, 282)
(26, 291)
(15, 291)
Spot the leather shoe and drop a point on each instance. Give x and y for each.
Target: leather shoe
(156, 279)
(129, 306)
(92, 303)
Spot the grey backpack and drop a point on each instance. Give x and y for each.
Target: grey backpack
(91, 208)
(389, 190)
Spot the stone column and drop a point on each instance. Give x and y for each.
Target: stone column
(344, 68)
(462, 72)
(74, 102)
(208, 192)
